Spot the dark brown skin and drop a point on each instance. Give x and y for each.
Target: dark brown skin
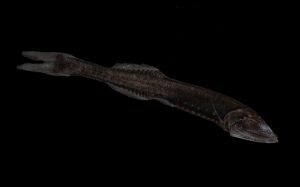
(146, 83)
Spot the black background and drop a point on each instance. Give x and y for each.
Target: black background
(72, 123)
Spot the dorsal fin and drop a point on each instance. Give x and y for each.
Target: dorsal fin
(134, 67)
(138, 67)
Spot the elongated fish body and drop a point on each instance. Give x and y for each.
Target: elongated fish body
(145, 82)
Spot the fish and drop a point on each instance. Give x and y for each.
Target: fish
(145, 82)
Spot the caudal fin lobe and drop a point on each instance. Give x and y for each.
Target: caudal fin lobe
(50, 62)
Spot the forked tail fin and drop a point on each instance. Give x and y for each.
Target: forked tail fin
(54, 63)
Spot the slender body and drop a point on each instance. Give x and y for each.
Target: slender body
(148, 83)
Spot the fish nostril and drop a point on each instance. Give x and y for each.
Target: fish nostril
(265, 128)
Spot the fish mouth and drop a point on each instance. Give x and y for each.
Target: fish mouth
(263, 135)
(270, 139)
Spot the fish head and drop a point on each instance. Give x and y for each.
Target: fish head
(248, 125)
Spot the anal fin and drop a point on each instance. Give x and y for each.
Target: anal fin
(127, 92)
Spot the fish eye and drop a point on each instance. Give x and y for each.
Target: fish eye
(239, 125)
